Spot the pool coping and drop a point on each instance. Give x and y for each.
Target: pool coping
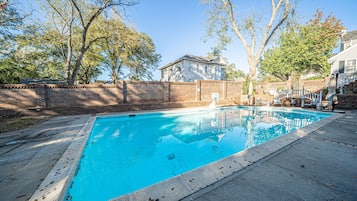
(55, 184)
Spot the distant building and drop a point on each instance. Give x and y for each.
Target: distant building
(190, 68)
(344, 63)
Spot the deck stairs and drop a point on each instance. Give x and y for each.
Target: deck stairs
(347, 83)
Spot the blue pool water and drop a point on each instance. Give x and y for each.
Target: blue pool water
(126, 153)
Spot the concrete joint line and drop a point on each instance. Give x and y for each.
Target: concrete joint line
(333, 141)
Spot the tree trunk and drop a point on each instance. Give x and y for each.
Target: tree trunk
(254, 53)
(252, 62)
(77, 65)
(68, 60)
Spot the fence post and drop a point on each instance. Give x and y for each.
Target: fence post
(167, 86)
(125, 92)
(198, 90)
(47, 96)
(224, 90)
(302, 97)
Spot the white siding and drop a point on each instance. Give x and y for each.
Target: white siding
(189, 71)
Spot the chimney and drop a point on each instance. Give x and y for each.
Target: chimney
(342, 46)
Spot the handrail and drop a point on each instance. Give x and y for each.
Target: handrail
(346, 78)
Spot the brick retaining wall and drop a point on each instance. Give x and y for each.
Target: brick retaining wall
(130, 93)
(49, 96)
(347, 101)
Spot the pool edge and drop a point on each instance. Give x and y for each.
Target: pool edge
(185, 184)
(55, 184)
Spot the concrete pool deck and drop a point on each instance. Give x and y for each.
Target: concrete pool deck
(321, 165)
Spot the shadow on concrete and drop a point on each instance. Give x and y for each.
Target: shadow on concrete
(27, 155)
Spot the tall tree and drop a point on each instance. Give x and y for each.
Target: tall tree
(115, 45)
(126, 49)
(29, 54)
(253, 34)
(303, 48)
(143, 58)
(90, 68)
(81, 14)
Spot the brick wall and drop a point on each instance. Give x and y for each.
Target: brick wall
(123, 92)
(83, 95)
(126, 93)
(350, 88)
(208, 87)
(22, 96)
(143, 92)
(264, 90)
(314, 85)
(181, 91)
(234, 90)
(347, 101)
(310, 85)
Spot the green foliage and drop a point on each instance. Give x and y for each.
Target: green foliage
(128, 53)
(254, 30)
(75, 43)
(75, 22)
(143, 59)
(29, 55)
(303, 49)
(91, 66)
(10, 19)
(245, 87)
(317, 77)
(232, 73)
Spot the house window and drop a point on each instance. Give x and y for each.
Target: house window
(341, 67)
(178, 69)
(350, 66)
(206, 69)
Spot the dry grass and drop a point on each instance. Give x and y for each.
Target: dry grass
(15, 123)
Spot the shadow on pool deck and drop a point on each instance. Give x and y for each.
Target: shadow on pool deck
(28, 155)
(320, 166)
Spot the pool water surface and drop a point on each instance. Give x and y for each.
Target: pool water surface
(128, 152)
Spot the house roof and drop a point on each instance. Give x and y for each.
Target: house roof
(352, 35)
(217, 60)
(334, 58)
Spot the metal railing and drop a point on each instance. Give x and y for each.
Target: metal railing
(297, 94)
(346, 78)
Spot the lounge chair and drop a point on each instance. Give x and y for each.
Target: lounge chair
(313, 102)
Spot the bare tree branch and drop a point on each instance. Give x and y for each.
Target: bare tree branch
(93, 41)
(282, 20)
(229, 9)
(56, 10)
(78, 11)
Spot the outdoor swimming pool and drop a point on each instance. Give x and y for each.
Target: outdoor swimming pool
(128, 152)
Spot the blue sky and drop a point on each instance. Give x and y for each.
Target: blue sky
(178, 27)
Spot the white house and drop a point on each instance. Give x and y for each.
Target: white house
(190, 68)
(344, 63)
